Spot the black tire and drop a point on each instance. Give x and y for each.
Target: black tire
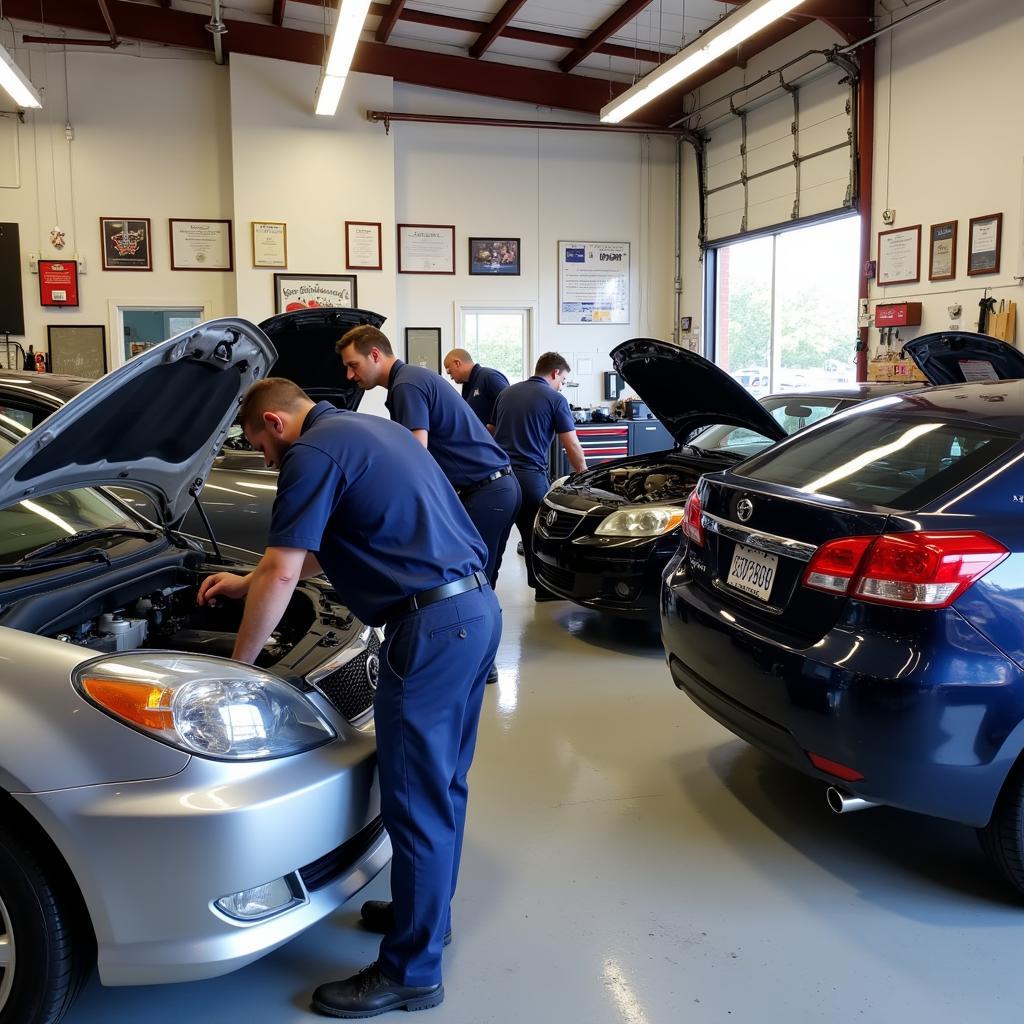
(1002, 839)
(41, 921)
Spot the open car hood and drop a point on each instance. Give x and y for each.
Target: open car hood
(305, 339)
(155, 423)
(953, 357)
(686, 391)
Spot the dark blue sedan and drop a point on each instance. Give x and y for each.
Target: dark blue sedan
(851, 601)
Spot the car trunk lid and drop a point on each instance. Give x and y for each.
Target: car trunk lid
(956, 357)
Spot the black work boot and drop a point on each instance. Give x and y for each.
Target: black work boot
(371, 992)
(378, 917)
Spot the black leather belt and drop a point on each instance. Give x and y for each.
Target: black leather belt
(435, 594)
(477, 484)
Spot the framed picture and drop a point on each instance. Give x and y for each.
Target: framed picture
(423, 347)
(201, 245)
(899, 255)
(269, 243)
(494, 256)
(126, 243)
(426, 248)
(308, 291)
(942, 251)
(78, 350)
(58, 282)
(363, 245)
(985, 240)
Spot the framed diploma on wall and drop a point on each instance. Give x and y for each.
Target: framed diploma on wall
(426, 248)
(269, 244)
(363, 245)
(423, 347)
(942, 251)
(201, 245)
(985, 239)
(899, 255)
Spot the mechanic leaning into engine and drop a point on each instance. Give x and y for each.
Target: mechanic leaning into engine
(526, 417)
(361, 501)
(445, 425)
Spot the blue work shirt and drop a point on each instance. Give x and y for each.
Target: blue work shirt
(420, 399)
(384, 523)
(481, 389)
(526, 417)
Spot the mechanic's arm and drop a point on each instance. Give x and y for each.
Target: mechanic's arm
(271, 585)
(421, 436)
(573, 450)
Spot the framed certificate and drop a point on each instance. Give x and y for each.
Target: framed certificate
(899, 255)
(423, 347)
(201, 245)
(984, 243)
(362, 245)
(78, 350)
(942, 251)
(426, 248)
(269, 244)
(125, 243)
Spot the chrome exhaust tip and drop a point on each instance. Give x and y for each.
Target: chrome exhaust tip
(841, 802)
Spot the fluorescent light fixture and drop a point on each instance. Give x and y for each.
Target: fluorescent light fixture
(16, 83)
(344, 40)
(750, 19)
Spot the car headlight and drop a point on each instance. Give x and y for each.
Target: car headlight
(644, 521)
(212, 707)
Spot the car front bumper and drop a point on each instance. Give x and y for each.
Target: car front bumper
(932, 722)
(152, 857)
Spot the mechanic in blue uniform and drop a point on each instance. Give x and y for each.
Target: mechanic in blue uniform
(526, 417)
(481, 385)
(420, 400)
(360, 500)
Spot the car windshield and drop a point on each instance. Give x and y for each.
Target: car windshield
(791, 412)
(881, 459)
(30, 524)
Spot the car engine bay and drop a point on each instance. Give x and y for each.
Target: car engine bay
(650, 483)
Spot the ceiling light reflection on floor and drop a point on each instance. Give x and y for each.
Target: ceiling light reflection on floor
(621, 991)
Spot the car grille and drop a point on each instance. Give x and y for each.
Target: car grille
(555, 524)
(348, 687)
(552, 576)
(333, 865)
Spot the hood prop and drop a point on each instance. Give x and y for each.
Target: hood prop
(197, 486)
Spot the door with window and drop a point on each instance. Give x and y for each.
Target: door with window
(499, 337)
(784, 307)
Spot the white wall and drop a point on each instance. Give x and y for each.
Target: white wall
(151, 139)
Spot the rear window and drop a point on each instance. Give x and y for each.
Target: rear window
(897, 463)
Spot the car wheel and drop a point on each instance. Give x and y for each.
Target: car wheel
(1002, 838)
(44, 957)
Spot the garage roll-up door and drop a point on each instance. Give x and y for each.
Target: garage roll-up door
(785, 158)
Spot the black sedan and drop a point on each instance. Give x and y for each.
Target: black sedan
(602, 538)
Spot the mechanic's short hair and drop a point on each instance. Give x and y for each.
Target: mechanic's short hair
(461, 354)
(364, 338)
(549, 362)
(271, 394)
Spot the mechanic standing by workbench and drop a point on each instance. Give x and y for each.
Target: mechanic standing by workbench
(444, 424)
(360, 500)
(526, 417)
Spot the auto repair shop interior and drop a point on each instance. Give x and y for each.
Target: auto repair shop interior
(779, 244)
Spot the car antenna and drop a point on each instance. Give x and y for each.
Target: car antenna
(194, 491)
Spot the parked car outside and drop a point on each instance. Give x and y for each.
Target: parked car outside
(603, 537)
(167, 812)
(851, 601)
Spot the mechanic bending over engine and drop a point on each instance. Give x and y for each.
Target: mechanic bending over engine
(361, 500)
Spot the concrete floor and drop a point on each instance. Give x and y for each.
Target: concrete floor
(629, 862)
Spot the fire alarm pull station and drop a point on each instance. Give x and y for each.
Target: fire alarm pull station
(898, 314)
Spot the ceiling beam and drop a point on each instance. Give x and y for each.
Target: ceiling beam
(277, 16)
(388, 19)
(415, 67)
(509, 9)
(626, 13)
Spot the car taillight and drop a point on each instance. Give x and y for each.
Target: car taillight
(910, 570)
(691, 519)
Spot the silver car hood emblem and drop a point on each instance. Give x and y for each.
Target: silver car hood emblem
(549, 519)
(372, 671)
(744, 509)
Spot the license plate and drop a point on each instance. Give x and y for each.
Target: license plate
(753, 571)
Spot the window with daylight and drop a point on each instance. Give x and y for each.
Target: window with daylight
(499, 338)
(784, 307)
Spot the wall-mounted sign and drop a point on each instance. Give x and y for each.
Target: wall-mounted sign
(942, 251)
(984, 244)
(308, 291)
(58, 283)
(126, 243)
(593, 282)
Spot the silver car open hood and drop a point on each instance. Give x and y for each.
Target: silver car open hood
(155, 423)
